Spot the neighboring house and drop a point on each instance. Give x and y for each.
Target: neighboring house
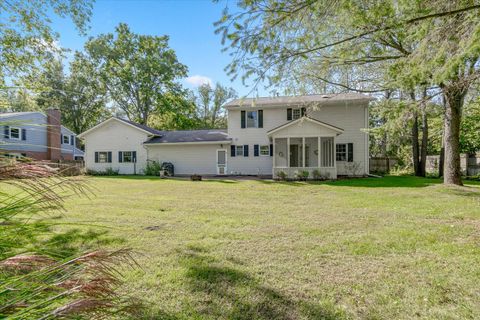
(37, 135)
(264, 136)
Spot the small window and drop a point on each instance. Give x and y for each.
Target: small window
(239, 150)
(265, 150)
(66, 139)
(296, 114)
(127, 156)
(252, 119)
(341, 152)
(15, 133)
(103, 157)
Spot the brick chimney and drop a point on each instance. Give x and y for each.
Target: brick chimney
(53, 134)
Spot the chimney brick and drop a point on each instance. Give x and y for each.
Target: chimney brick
(54, 134)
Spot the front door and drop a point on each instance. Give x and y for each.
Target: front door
(221, 162)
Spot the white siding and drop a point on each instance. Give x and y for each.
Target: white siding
(188, 159)
(115, 136)
(351, 117)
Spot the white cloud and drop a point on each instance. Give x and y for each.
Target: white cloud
(198, 80)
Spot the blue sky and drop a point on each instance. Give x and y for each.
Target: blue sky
(188, 23)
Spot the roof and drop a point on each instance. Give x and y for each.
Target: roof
(191, 136)
(7, 115)
(141, 127)
(324, 124)
(299, 100)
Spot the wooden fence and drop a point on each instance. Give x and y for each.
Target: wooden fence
(382, 164)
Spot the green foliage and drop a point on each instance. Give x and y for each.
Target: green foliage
(470, 128)
(209, 103)
(282, 175)
(152, 168)
(26, 36)
(140, 72)
(107, 172)
(302, 175)
(317, 175)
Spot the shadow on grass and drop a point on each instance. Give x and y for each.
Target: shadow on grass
(225, 292)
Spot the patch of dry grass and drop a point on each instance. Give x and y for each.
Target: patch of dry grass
(391, 248)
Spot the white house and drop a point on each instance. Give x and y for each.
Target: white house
(326, 133)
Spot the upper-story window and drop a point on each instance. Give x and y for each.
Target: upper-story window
(294, 114)
(66, 139)
(251, 119)
(15, 133)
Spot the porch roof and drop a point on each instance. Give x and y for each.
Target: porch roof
(316, 122)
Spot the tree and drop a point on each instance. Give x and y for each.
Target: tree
(210, 101)
(26, 37)
(140, 72)
(415, 44)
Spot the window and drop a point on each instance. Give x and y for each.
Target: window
(265, 150)
(252, 119)
(344, 152)
(239, 151)
(66, 139)
(103, 157)
(296, 114)
(15, 133)
(127, 156)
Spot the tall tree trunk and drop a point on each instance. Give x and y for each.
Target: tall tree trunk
(415, 145)
(423, 152)
(453, 114)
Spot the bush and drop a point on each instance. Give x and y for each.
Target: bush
(153, 168)
(317, 175)
(282, 175)
(302, 175)
(107, 172)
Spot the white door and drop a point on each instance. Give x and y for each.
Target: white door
(221, 161)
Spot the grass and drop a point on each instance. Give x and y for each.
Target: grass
(390, 248)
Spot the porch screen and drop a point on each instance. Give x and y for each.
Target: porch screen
(327, 152)
(281, 152)
(311, 152)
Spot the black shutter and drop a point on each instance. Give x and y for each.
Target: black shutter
(109, 157)
(232, 151)
(72, 140)
(134, 155)
(304, 111)
(255, 150)
(271, 150)
(245, 150)
(350, 152)
(289, 114)
(260, 118)
(96, 157)
(24, 134)
(6, 132)
(120, 158)
(61, 139)
(242, 120)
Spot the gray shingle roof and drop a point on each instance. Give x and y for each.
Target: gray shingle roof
(298, 100)
(141, 126)
(208, 135)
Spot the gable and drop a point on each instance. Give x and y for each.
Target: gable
(125, 124)
(305, 126)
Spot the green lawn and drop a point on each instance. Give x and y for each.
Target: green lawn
(390, 248)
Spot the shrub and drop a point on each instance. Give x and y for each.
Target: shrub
(302, 175)
(282, 175)
(317, 175)
(107, 172)
(153, 168)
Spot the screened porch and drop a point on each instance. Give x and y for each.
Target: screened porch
(293, 154)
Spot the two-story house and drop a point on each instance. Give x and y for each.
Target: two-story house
(326, 133)
(37, 135)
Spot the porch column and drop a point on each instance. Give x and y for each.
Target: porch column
(334, 151)
(288, 152)
(319, 156)
(303, 152)
(273, 141)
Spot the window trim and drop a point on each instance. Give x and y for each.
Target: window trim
(131, 157)
(106, 156)
(19, 133)
(260, 150)
(294, 116)
(236, 150)
(255, 120)
(63, 139)
(347, 151)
